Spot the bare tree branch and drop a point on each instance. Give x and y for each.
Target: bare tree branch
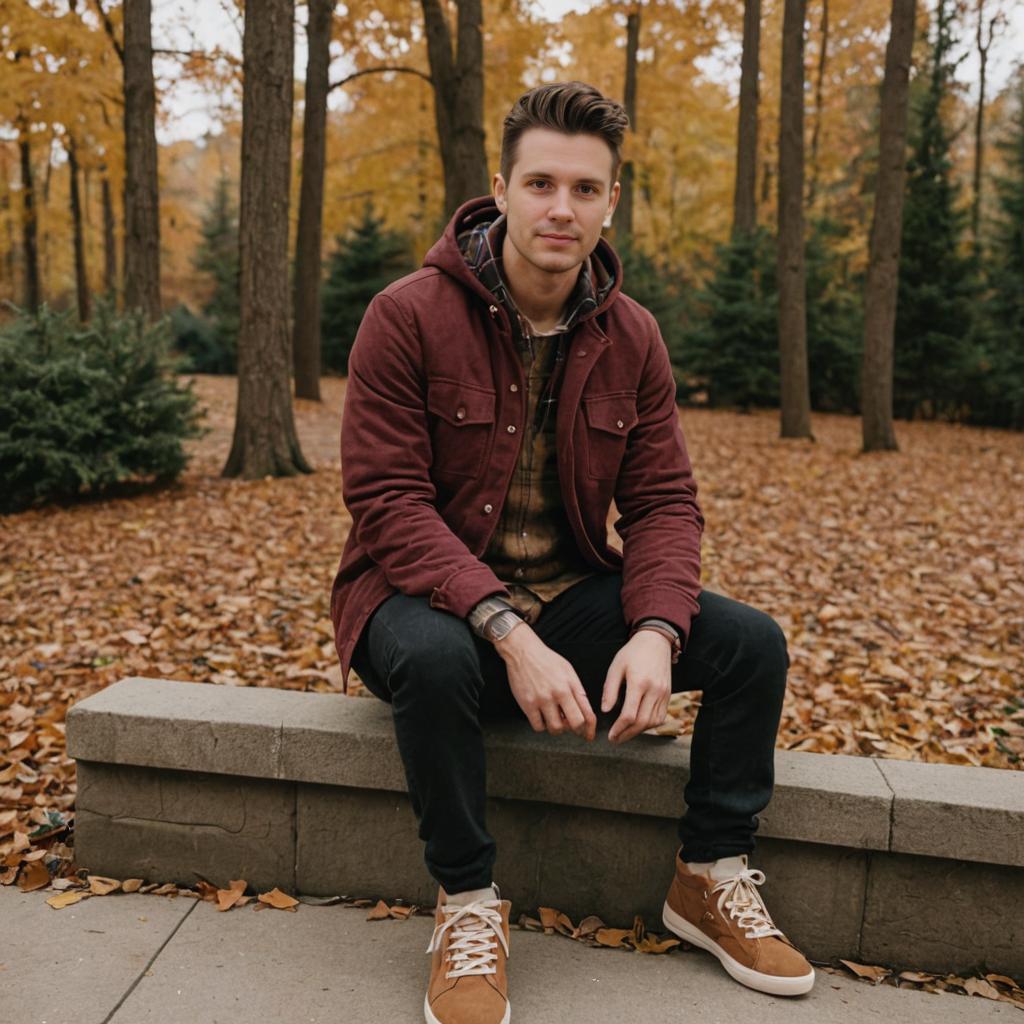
(108, 26)
(373, 71)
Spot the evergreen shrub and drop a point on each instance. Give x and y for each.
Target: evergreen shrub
(87, 406)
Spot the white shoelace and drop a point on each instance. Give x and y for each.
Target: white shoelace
(473, 928)
(745, 905)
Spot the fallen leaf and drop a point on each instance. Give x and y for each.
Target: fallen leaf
(227, 898)
(100, 886)
(65, 899)
(279, 900)
(980, 987)
(380, 912)
(875, 974)
(33, 876)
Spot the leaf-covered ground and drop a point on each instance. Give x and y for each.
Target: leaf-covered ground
(897, 577)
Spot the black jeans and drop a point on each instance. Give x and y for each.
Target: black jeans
(442, 681)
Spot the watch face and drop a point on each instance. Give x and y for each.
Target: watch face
(501, 625)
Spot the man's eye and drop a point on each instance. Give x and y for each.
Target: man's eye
(543, 184)
(590, 190)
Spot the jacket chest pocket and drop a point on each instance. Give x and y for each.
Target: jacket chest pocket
(609, 421)
(461, 427)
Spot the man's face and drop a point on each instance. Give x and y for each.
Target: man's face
(558, 196)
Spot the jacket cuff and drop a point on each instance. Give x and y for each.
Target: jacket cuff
(465, 588)
(669, 604)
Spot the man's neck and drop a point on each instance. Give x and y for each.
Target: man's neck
(540, 296)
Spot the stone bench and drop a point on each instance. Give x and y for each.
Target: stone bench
(878, 861)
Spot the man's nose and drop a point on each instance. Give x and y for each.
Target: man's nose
(561, 207)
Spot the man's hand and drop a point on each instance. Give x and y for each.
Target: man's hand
(545, 685)
(645, 663)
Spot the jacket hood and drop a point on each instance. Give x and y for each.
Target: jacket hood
(446, 255)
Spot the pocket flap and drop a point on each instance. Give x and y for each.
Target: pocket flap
(614, 413)
(460, 404)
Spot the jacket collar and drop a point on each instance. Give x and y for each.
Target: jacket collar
(447, 255)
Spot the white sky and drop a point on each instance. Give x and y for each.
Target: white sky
(190, 112)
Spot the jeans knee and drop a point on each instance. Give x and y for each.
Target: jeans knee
(432, 656)
(765, 644)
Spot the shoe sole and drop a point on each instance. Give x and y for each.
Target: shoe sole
(772, 984)
(431, 1019)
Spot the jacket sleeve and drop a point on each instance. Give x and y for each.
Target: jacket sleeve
(385, 460)
(660, 521)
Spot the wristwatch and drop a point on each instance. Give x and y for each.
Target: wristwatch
(493, 618)
(500, 625)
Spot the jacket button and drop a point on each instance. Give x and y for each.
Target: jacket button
(511, 428)
(460, 414)
(488, 509)
(513, 387)
(519, 572)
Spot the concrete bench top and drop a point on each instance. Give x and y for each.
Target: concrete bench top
(974, 814)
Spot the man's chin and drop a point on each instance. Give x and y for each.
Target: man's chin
(557, 263)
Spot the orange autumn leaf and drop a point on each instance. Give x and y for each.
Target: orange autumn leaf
(279, 900)
(227, 898)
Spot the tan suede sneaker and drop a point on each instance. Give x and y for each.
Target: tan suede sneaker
(729, 919)
(468, 976)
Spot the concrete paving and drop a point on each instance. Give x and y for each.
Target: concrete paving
(132, 959)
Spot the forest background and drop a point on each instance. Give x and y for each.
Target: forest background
(761, 242)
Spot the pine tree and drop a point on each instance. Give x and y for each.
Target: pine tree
(364, 262)
(217, 256)
(662, 291)
(1003, 359)
(834, 321)
(934, 342)
(731, 350)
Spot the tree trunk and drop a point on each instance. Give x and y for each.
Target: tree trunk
(624, 211)
(141, 192)
(458, 100)
(29, 220)
(979, 123)
(794, 380)
(819, 94)
(744, 219)
(109, 245)
(81, 277)
(306, 337)
(886, 233)
(265, 442)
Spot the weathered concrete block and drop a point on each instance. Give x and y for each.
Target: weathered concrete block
(833, 799)
(171, 826)
(163, 723)
(933, 914)
(946, 810)
(815, 894)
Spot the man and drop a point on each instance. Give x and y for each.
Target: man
(498, 400)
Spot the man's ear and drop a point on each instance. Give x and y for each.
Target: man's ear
(613, 201)
(498, 187)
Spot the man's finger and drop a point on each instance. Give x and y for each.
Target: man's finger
(572, 712)
(643, 719)
(612, 684)
(589, 718)
(629, 711)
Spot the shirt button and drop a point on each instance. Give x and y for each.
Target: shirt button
(583, 352)
(488, 509)
(513, 387)
(460, 414)
(511, 428)
(619, 424)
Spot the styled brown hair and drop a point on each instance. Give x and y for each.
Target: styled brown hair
(574, 108)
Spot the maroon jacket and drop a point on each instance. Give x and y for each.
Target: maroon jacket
(431, 429)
